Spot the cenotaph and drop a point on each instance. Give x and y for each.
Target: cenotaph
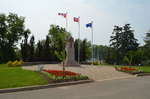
(70, 57)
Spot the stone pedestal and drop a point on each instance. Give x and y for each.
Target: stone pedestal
(70, 58)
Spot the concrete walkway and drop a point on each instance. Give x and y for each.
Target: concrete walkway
(97, 73)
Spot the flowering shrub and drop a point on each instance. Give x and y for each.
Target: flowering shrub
(61, 73)
(15, 63)
(9, 63)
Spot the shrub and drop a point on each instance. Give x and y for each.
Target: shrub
(15, 63)
(9, 63)
(96, 63)
(20, 63)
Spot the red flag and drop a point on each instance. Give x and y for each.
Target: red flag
(76, 19)
(59, 13)
(63, 14)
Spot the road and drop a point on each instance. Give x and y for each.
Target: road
(131, 88)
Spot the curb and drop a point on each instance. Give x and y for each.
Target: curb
(143, 74)
(9, 90)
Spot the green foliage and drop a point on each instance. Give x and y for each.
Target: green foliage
(146, 47)
(11, 31)
(134, 57)
(147, 40)
(31, 48)
(44, 51)
(96, 63)
(126, 60)
(60, 55)
(85, 49)
(25, 46)
(58, 37)
(110, 56)
(122, 41)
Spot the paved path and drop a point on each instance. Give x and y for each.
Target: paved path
(93, 72)
(135, 88)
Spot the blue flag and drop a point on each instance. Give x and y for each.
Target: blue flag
(89, 25)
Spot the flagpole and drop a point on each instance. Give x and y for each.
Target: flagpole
(92, 44)
(79, 42)
(66, 21)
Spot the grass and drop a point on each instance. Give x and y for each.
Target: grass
(11, 77)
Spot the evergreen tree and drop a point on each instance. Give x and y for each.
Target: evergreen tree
(123, 41)
(32, 49)
(147, 48)
(25, 46)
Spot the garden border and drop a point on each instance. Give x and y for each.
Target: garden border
(9, 90)
(137, 74)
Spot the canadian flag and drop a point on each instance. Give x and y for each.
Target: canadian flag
(63, 14)
(75, 19)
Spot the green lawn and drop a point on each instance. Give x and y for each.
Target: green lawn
(142, 68)
(11, 77)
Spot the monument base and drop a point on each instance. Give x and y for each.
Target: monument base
(68, 64)
(74, 63)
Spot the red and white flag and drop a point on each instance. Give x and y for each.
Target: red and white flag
(63, 14)
(75, 19)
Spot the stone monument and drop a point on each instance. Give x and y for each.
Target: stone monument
(70, 57)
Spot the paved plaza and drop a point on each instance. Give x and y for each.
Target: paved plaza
(93, 72)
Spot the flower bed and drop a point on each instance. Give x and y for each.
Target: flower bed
(64, 76)
(61, 73)
(130, 70)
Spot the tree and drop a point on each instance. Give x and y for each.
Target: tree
(147, 40)
(122, 41)
(47, 49)
(129, 58)
(38, 52)
(110, 55)
(76, 44)
(11, 31)
(85, 50)
(31, 48)
(58, 37)
(147, 48)
(25, 46)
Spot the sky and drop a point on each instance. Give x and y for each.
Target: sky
(40, 14)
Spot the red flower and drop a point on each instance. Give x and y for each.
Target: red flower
(61, 73)
(128, 69)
